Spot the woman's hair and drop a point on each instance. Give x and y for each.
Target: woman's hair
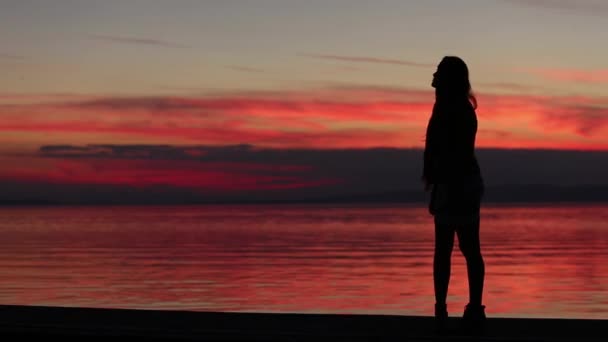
(453, 80)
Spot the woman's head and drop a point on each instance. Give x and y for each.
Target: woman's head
(451, 80)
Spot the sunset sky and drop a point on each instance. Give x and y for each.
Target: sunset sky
(144, 93)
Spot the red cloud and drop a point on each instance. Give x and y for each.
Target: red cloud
(339, 117)
(572, 75)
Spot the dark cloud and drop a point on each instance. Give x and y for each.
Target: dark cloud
(11, 56)
(67, 149)
(361, 59)
(140, 103)
(334, 98)
(137, 41)
(232, 153)
(262, 174)
(374, 168)
(244, 68)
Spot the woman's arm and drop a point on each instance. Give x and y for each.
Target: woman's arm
(427, 169)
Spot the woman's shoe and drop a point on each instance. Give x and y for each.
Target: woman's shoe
(474, 319)
(441, 318)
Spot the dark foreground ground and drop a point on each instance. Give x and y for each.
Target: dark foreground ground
(72, 324)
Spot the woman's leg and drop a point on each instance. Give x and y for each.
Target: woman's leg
(444, 243)
(468, 241)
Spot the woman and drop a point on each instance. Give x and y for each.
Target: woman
(453, 175)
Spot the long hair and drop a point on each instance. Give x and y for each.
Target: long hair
(453, 82)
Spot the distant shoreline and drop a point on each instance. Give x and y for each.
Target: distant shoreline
(309, 203)
(494, 195)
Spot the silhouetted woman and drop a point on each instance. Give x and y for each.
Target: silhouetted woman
(453, 175)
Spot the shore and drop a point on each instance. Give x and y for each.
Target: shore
(143, 325)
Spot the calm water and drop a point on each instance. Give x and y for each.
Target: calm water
(549, 261)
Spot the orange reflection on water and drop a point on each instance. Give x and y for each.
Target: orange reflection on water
(540, 261)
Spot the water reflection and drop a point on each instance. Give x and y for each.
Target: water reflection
(546, 261)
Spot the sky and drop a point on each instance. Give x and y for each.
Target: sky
(196, 95)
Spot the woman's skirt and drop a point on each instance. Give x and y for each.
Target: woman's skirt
(457, 203)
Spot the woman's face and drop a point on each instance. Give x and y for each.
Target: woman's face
(436, 76)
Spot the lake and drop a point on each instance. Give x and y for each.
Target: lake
(541, 260)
